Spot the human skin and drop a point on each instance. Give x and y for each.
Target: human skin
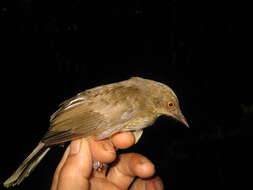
(75, 169)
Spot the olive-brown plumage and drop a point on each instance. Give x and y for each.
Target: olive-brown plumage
(100, 112)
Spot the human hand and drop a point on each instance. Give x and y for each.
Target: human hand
(75, 169)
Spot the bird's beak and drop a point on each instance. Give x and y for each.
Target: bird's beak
(180, 117)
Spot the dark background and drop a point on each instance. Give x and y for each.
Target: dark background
(52, 50)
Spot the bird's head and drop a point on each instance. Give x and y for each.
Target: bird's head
(172, 109)
(163, 100)
(167, 104)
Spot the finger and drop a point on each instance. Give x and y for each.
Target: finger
(102, 184)
(127, 167)
(147, 184)
(58, 169)
(139, 184)
(103, 150)
(77, 167)
(123, 140)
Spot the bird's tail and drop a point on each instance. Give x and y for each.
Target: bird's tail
(27, 165)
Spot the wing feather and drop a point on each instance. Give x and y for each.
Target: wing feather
(97, 112)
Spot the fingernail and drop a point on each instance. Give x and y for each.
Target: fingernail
(108, 147)
(159, 184)
(75, 147)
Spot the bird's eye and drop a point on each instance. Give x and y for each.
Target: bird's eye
(170, 104)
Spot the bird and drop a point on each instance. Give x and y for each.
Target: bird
(99, 112)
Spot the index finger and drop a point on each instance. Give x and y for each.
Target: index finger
(105, 150)
(123, 140)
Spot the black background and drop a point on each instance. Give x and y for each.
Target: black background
(52, 50)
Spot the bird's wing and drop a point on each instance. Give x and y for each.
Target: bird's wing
(97, 112)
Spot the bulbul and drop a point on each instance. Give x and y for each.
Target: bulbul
(100, 112)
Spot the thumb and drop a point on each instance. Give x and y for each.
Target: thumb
(77, 168)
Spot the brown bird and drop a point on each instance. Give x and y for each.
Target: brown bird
(100, 112)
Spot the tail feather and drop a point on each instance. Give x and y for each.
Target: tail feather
(27, 165)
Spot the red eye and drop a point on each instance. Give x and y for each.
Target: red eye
(171, 104)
